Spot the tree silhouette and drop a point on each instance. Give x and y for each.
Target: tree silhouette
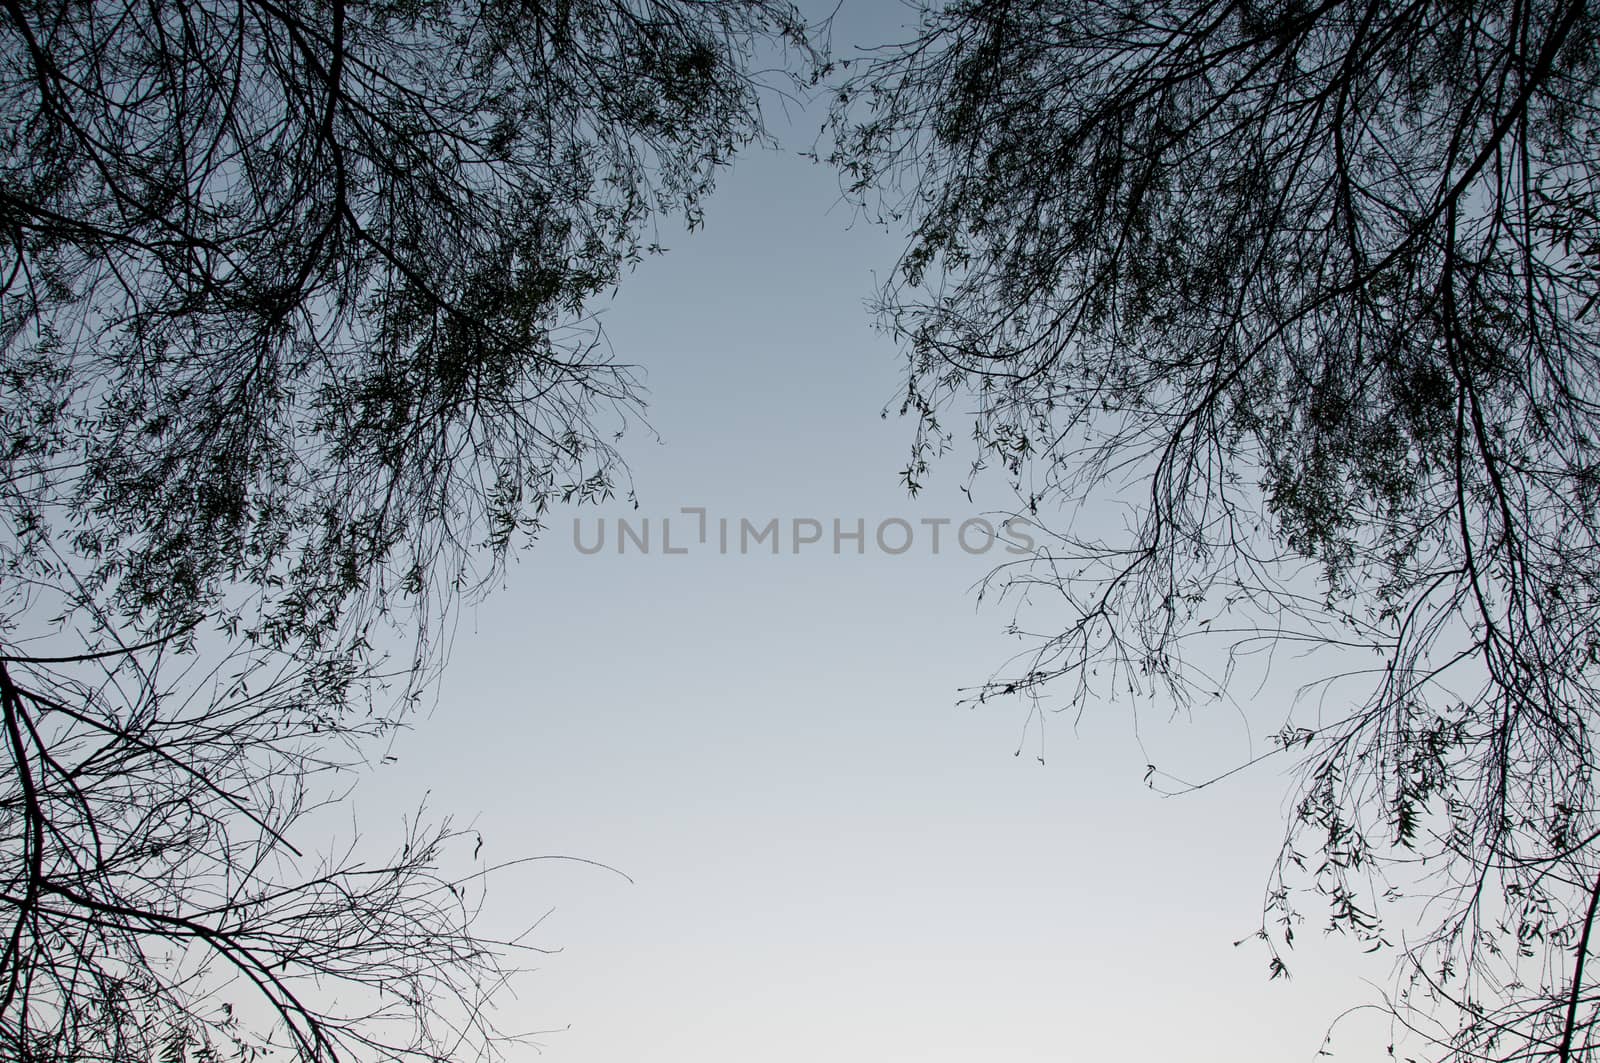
(155, 902)
(1307, 290)
(293, 349)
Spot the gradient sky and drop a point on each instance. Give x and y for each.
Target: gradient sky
(830, 860)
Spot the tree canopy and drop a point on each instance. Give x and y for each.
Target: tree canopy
(1308, 291)
(293, 296)
(293, 347)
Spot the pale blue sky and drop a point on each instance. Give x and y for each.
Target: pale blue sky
(831, 860)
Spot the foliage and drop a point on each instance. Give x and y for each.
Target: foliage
(1307, 289)
(291, 295)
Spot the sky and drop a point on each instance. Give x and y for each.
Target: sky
(825, 855)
